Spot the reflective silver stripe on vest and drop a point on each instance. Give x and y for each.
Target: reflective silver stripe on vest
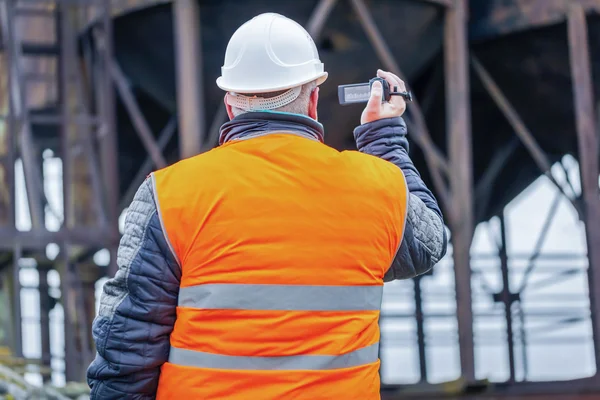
(199, 359)
(282, 297)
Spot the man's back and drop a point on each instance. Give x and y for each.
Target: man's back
(255, 271)
(283, 243)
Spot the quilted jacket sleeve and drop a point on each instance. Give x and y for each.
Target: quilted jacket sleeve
(425, 241)
(137, 308)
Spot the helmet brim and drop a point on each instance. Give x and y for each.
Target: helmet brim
(222, 84)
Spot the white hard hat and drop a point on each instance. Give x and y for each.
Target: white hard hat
(270, 53)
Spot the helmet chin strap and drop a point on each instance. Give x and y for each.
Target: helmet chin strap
(256, 103)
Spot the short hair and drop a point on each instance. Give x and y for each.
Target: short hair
(298, 106)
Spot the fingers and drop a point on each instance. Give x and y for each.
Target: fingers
(374, 104)
(396, 85)
(392, 79)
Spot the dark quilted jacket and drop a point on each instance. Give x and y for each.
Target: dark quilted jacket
(138, 306)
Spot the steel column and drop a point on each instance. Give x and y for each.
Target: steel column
(73, 364)
(420, 320)
(6, 154)
(33, 182)
(507, 298)
(67, 175)
(189, 73)
(458, 126)
(587, 135)
(45, 301)
(110, 150)
(16, 298)
(12, 150)
(77, 126)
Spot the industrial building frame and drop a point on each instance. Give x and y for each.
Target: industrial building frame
(452, 173)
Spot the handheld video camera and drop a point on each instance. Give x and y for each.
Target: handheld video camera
(360, 92)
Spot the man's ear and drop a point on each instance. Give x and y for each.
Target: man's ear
(312, 104)
(228, 108)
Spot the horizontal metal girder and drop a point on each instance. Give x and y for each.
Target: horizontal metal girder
(39, 239)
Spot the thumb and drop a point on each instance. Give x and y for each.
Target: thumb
(374, 103)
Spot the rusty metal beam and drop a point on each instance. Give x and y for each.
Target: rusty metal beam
(6, 202)
(33, 180)
(38, 239)
(16, 298)
(73, 363)
(541, 239)
(109, 145)
(65, 131)
(78, 134)
(458, 126)
(163, 139)
(45, 302)
(189, 73)
(436, 161)
(583, 92)
(420, 322)
(515, 121)
(11, 153)
(319, 17)
(137, 117)
(445, 3)
(507, 298)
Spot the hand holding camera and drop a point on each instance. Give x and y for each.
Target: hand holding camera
(377, 109)
(386, 96)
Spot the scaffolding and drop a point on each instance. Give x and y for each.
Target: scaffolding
(64, 87)
(44, 72)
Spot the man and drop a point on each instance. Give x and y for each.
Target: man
(255, 270)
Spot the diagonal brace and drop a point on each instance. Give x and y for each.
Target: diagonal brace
(515, 121)
(137, 117)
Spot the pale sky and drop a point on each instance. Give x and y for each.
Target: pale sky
(553, 354)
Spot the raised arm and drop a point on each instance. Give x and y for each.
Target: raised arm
(383, 134)
(424, 242)
(137, 308)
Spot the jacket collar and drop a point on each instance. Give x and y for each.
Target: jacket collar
(254, 124)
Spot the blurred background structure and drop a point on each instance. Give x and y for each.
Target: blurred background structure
(95, 94)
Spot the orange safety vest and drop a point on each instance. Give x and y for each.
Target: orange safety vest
(283, 243)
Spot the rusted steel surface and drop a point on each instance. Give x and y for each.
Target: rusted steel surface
(500, 17)
(493, 396)
(190, 77)
(5, 155)
(137, 117)
(148, 165)
(458, 127)
(584, 389)
(506, 296)
(349, 54)
(516, 122)
(587, 134)
(317, 20)
(11, 33)
(109, 150)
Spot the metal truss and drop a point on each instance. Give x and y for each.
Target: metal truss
(86, 121)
